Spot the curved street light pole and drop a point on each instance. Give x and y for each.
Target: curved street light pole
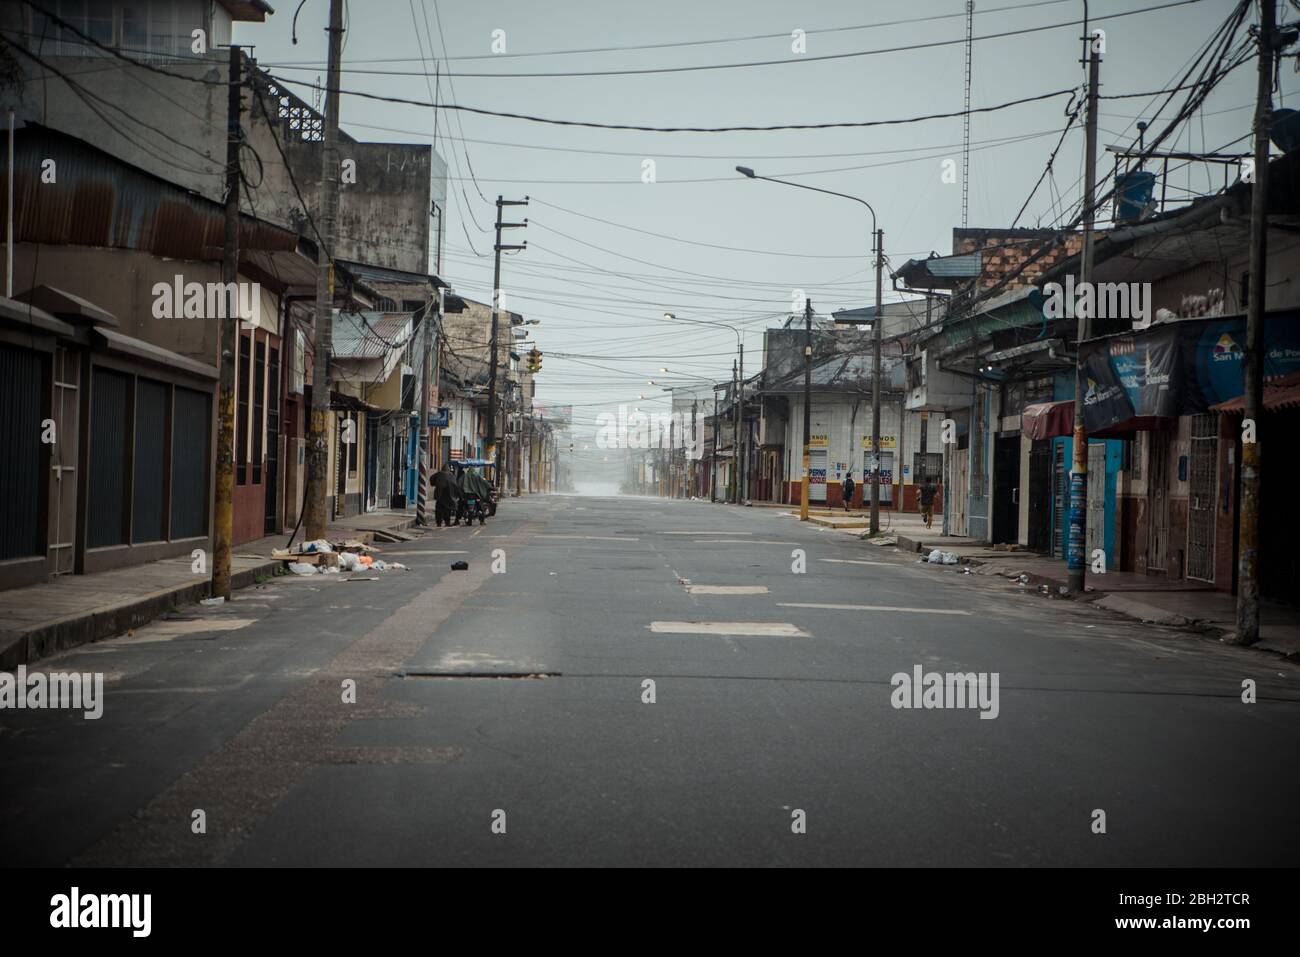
(740, 397)
(878, 247)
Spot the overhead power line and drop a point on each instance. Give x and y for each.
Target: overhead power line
(784, 61)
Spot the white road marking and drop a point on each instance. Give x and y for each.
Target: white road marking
(727, 589)
(595, 538)
(738, 541)
(855, 561)
(775, 629)
(919, 611)
(710, 531)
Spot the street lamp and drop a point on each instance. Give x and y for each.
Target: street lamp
(878, 238)
(738, 419)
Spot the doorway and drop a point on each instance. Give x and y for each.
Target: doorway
(1006, 489)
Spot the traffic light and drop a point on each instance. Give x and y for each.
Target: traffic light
(533, 365)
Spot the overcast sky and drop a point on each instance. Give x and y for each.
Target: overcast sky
(730, 249)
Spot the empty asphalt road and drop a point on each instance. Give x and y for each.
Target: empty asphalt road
(634, 681)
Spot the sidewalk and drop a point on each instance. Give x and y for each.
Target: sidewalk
(71, 610)
(1180, 602)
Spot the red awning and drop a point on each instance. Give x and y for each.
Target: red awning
(1280, 393)
(1046, 420)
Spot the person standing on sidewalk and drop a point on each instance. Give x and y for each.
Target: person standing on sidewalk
(927, 501)
(848, 490)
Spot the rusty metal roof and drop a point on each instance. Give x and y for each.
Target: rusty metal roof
(101, 201)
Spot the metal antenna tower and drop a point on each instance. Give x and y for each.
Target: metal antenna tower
(965, 120)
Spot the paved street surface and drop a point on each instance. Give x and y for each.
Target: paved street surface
(523, 692)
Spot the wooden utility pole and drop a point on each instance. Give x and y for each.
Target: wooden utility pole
(1077, 542)
(1247, 632)
(223, 508)
(323, 337)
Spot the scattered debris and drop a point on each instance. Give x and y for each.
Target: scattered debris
(460, 566)
(940, 557)
(220, 600)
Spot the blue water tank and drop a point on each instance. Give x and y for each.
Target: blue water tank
(1133, 194)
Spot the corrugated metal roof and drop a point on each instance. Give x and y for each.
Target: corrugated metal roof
(370, 335)
(101, 201)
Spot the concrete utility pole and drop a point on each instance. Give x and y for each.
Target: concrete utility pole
(1078, 516)
(741, 449)
(497, 478)
(807, 409)
(713, 475)
(735, 433)
(877, 331)
(428, 382)
(1247, 632)
(323, 328)
(223, 508)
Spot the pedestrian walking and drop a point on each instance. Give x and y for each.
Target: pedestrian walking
(848, 490)
(446, 493)
(928, 492)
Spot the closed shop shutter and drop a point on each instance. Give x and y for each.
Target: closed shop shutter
(190, 425)
(150, 473)
(108, 459)
(20, 445)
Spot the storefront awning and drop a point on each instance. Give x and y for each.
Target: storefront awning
(1283, 393)
(1047, 420)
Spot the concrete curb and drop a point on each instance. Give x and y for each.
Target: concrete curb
(107, 621)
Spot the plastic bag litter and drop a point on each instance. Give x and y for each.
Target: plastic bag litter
(329, 570)
(379, 565)
(349, 562)
(940, 557)
(302, 568)
(397, 565)
(319, 545)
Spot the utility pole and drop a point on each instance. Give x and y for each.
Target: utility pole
(807, 408)
(877, 331)
(223, 508)
(735, 433)
(497, 478)
(1247, 632)
(323, 333)
(1078, 517)
(713, 476)
(741, 445)
(428, 382)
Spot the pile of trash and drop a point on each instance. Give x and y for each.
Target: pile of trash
(940, 557)
(322, 557)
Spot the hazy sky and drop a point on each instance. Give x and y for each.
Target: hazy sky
(731, 249)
